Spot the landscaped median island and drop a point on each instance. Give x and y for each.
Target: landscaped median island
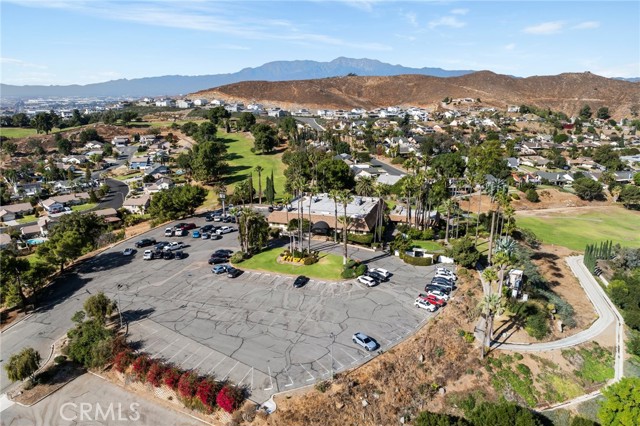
(328, 267)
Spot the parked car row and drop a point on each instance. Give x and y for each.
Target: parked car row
(163, 254)
(374, 276)
(438, 290)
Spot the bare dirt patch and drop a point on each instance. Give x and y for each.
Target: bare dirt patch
(551, 198)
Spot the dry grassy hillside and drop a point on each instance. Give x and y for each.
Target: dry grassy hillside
(564, 92)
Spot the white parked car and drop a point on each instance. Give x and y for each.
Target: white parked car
(168, 232)
(148, 255)
(174, 245)
(438, 294)
(445, 271)
(224, 230)
(382, 272)
(368, 281)
(423, 304)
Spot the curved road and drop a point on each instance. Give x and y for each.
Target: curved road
(607, 315)
(115, 198)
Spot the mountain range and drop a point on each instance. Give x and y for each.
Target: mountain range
(564, 92)
(172, 85)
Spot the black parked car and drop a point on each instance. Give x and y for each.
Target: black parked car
(206, 228)
(145, 242)
(443, 289)
(300, 281)
(217, 260)
(168, 254)
(179, 254)
(376, 276)
(222, 253)
(233, 272)
(161, 245)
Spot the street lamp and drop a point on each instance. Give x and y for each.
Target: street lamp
(119, 287)
(333, 339)
(222, 196)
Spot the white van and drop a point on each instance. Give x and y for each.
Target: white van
(168, 232)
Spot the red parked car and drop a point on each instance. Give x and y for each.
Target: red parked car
(189, 226)
(432, 299)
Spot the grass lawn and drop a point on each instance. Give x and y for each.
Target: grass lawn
(428, 245)
(129, 176)
(27, 219)
(83, 207)
(328, 268)
(577, 229)
(242, 162)
(19, 132)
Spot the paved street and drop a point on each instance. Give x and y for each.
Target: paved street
(393, 171)
(80, 403)
(118, 191)
(256, 330)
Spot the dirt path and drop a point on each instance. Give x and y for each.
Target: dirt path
(561, 210)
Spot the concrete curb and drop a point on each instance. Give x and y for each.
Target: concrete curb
(7, 328)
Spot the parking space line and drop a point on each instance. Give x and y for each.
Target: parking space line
(312, 378)
(286, 372)
(270, 379)
(325, 368)
(225, 377)
(245, 376)
(202, 360)
(347, 353)
(180, 350)
(166, 347)
(214, 367)
(184, 361)
(339, 363)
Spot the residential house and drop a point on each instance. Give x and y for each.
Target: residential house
(147, 139)
(513, 162)
(5, 240)
(120, 140)
(94, 145)
(52, 206)
(109, 215)
(138, 205)
(57, 203)
(159, 185)
(624, 177)
(139, 163)
(15, 210)
(74, 159)
(362, 170)
(388, 179)
(399, 215)
(184, 103)
(27, 189)
(157, 169)
(559, 179)
(165, 103)
(200, 102)
(31, 231)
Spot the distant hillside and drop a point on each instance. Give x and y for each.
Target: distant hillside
(564, 92)
(172, 85)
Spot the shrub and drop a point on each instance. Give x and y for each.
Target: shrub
(323, 386)
(123, 360)
(207, 392)
(237, 257)
(187, 384)
(350, 264)
(397, 160)
(427, 234)
(141, 367)
(229, 398)
(523, 369)
(536, 325)
(416, 261)
(518, 356)
(515, 196)
(361, 269)
(310, 260)
(60, 359)
(171, 377)
(155, 373)
(348, 273)
(360, 238)
(532, 196)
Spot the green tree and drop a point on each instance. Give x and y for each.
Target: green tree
(608, 157)
(585, 112)
(464, 252)
(265, 137)
(64, 146)
(206, 132)
(603, 113)
(630, 196)
(176, 202)
(270, 192)
(91, 344)
(9, 147)
(621, 406)
(532, 195)
(246, 121)
(503, 414)
(334, 174)
(98, 307)
(217, 114)
(43, 122)
(587, 189)
(23, 364)
(128, 116)
(345, 198)
(259, 169)
(491, 306)
(253, 231)
(12, 281)
(581, 421)
(206, 161)
(190, 128)
(365, 186)
(437, 419)
(636, 179)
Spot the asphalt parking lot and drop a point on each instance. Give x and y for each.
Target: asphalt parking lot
(256, 329)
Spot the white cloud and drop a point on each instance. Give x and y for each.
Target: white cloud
(460, 11)
(447, 21)
(412, 18)
(545, 28)
(586, 25)
(510, 46)
(20, 63)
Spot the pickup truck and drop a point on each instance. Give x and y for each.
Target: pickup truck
(174, 245)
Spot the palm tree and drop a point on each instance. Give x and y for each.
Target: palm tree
(489, 274)
(345, 198)
(286, 199)
(494, 189)
(299, 185)
(365, 186)
(447, 204)
(504, 257)
(259, 170)
(491, 306)
(381, 190)
(334, 194)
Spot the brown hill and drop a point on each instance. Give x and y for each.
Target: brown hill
(563, 92)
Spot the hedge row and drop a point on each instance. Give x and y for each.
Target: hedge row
(417, 261)
(201, 393)
(360, 238)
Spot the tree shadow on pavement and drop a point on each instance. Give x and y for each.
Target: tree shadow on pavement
(60, 290)
(105, 261)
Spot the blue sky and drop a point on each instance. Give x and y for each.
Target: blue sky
(89, 41)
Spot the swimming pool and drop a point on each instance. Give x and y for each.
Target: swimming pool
(36, 241)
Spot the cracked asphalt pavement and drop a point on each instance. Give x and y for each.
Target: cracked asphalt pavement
(255, 330)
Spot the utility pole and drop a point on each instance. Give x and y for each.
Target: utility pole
(333, 339)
